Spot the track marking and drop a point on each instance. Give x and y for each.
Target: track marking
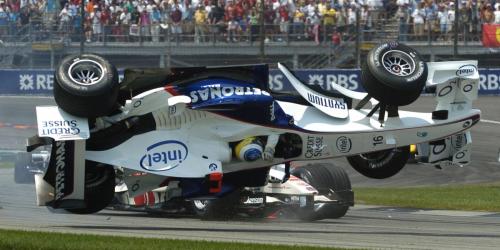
(455, 213)
(490, 121)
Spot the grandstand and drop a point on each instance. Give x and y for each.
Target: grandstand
(302, 33)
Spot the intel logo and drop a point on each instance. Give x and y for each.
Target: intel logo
(344, 144)
(466, 70)
(163, 156)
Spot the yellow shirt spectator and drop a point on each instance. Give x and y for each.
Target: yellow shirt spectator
(329, 16)
(200, 16)
(298, 16)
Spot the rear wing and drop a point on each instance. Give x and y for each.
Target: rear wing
(455, 86)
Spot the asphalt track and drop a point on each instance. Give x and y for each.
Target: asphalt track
(363, 227)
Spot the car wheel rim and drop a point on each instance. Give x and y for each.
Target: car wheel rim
(200, 204)
(86, 72)
(398, 63)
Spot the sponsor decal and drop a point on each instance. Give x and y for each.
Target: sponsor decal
(418, 74)
(250, 200)
(438, 148)
(467, 88)
(172, 110)
(444, 91)
(459, 141)
(466, 70)
(489, 82)
(59, 127)
(60, 169)
(28, 82)
(164, 155)
(212, 167)
(314, 147)
(377, 52)
(422, 134)
(460, 155)
(393, 44)
(271, 111)
(378, 140)
(467, 124)
(344, 144)
(325, 102)
(137, 103)
(136, 186)
(218, 91)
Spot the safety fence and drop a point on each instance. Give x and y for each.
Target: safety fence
(40, 82)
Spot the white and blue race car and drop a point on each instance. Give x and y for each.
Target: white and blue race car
(206, 132)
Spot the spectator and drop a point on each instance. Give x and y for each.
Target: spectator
(418, 22)
(155, 24)
(105, 22)
(403, 15)
(187, 17)
(497, 15)
(145, 23)
(328, 19)
(64, 19)
(298, 23)
(269, 16)
(96, 23)
(366, 22)
(350, 20)
(314, 21)
(336, 38)
(124, 20)
(283, 19)
(13, 22)
(216, 18)
(200, 17)
(88, 29)
(488, 16)
(176, 19)
(443, 22)
(253, 21)
(4, 21)
(451, 17)
(232, 30)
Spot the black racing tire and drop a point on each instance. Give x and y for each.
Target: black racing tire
(380, 164)
(99, 188)
(21, 169)
(223, 208)
(394, 74)
(325, 177)
(84, 96)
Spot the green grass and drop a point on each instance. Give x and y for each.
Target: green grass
(21, 240)
(474, 197)
(6, 165)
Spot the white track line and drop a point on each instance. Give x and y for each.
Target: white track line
(490, 121)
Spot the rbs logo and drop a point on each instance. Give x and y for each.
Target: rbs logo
(164, 155)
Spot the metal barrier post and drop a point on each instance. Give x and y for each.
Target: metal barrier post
(455, 29)
(51, 49)
(358, 42)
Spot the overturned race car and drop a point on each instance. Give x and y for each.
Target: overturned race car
(208, 132)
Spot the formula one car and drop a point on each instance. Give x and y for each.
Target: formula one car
(205, 132)
(325, 184)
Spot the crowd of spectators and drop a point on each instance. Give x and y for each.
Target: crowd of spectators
(202, 21)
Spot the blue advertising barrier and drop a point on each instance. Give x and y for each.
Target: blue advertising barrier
(40, 82)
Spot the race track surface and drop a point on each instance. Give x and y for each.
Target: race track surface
(363, 227)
